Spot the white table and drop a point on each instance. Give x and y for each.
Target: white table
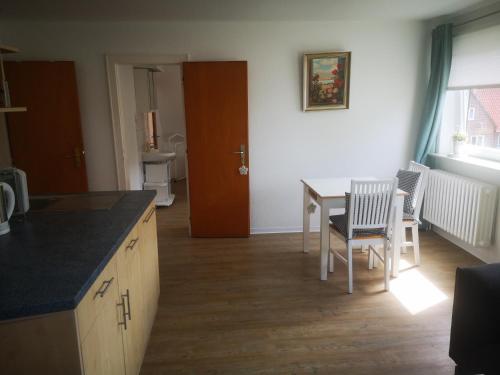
(329, 193)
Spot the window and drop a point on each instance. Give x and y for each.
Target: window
(477, 140)
(472, 104)
(474, 111)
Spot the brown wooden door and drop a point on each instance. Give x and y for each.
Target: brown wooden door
(46, 141)
(216, 104)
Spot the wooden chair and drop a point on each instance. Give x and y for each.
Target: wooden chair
(369, 210)
(411, 218)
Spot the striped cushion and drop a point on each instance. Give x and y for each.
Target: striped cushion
(408, 181)
(408, 216)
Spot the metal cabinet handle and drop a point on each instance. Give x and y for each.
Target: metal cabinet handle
(127, 314)
(124, 313)
(104, 288)
(132, 243)
(146, 220)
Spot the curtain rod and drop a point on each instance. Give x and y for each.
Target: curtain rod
(476, 18)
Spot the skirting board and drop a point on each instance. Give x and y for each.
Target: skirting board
(270, 230)
(486, 254)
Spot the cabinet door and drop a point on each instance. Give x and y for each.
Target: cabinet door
(129, 275)
(150, 271)
(102, 348)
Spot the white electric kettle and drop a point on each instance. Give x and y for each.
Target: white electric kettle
(7, 203)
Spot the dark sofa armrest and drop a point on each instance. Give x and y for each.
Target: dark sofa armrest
(475, 325)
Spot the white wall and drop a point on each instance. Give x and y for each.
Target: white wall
(125, 85)
(374, 137)
(170, 100)
(142, 105)
(141, 90)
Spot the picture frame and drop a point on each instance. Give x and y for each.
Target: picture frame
(326, 80)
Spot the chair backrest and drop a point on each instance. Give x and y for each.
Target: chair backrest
(421, 185)
(371, 204)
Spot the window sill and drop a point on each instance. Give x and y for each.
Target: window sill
(470, 160)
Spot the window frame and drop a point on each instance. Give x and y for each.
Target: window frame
(473, 116)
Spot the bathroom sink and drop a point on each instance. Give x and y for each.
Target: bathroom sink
(157, 156)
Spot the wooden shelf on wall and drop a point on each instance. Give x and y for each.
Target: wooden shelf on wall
(12, 109)
(8, 49)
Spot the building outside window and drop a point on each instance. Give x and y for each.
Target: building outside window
(475, 112)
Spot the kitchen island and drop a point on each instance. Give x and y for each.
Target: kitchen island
(79, 287)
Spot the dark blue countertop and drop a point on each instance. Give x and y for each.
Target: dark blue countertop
(49, 261)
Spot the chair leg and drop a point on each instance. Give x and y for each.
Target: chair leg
(387, 264)
(349, 265)
(370, 258)
(331, 255)
(416, 244)
(375, 260)
(404, 249)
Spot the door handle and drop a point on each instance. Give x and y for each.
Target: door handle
(241, 153)
(77, 156)
(243, 169)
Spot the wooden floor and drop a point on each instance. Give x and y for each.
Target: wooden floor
(257, 306)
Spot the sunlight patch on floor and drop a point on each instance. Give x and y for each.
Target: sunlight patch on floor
(414, 291)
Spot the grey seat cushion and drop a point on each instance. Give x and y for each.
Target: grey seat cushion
(339, 223)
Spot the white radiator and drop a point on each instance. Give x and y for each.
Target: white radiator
(461, 206)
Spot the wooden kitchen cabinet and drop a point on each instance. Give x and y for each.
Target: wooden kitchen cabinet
(108, 331)
(98, 324)
(150, 267)
(131, 293)
(102, 348)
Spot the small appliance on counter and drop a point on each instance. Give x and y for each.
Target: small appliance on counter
(16, 179)
(7, 202)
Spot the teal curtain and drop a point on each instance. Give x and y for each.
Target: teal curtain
(442, 40)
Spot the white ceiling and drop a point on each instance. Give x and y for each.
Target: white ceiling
(225, 10)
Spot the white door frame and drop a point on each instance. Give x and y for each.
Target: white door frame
(112, 62)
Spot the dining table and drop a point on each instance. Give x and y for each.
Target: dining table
(328, 194)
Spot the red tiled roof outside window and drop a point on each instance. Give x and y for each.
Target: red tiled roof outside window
(490, 101)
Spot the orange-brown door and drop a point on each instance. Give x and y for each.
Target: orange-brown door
(216, 105)
(46, 141)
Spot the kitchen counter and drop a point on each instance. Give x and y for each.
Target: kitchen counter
(49, 261)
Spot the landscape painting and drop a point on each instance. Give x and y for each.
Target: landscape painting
(326, 81)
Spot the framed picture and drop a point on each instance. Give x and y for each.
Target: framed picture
(326, 80)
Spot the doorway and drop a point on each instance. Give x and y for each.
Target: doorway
(216, 134)
(148, 113)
